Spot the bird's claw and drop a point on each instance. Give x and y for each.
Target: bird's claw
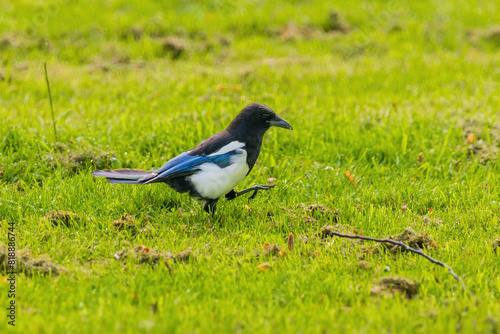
(254, 194)
(260, 187)
(233, 194)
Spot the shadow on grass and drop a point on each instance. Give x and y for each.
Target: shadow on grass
(158, 201)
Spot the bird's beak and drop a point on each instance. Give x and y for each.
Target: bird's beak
(280, 122)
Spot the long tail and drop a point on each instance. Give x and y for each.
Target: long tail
(130, 176)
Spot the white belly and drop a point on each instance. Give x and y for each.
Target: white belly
(214, 182)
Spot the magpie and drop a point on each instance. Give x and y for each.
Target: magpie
(217, 165)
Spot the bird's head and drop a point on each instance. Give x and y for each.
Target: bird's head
(257, 118)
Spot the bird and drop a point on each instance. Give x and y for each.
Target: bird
(216, 165)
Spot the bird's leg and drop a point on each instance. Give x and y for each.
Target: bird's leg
(210, 206)
(233, 194)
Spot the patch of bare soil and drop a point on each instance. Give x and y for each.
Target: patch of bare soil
(413, 239)
(65, 218)
(292, 32)
(335, 23)
(432, 221)
(126, 222)
(136, 32)
(84, 160)
(490, 35)
(310, 213)
(326, 231)
(183, 256)
(76, 162)
(140, 253)
(17, 41)
(273, 250)
(483, 151)
(143, 255)
(365, 265)
(395, 285)
(482, 138)
(27, 264)
(175, 47)
(496, 244)
(317, 211)
(410, 237)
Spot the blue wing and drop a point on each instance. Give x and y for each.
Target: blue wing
(185, 164)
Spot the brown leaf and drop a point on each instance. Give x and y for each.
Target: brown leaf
(144, 249)
(290, 241)
(470, 138)
(351, 178)
(264, 266)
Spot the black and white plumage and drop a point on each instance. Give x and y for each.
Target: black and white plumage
(217, 165)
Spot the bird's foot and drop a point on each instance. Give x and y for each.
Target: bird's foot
(233, 194)
(210, 206)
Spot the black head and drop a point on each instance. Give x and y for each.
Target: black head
(256, 118)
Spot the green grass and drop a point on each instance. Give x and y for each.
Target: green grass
(136, 83)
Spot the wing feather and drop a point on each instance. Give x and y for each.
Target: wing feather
(185, 165)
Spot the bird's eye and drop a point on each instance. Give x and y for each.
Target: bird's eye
(265, 117)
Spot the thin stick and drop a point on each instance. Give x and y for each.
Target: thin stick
(50, 98)
(401, 244)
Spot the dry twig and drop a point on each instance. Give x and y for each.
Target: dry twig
(401, 244)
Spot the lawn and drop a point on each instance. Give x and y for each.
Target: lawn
(395, 108)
